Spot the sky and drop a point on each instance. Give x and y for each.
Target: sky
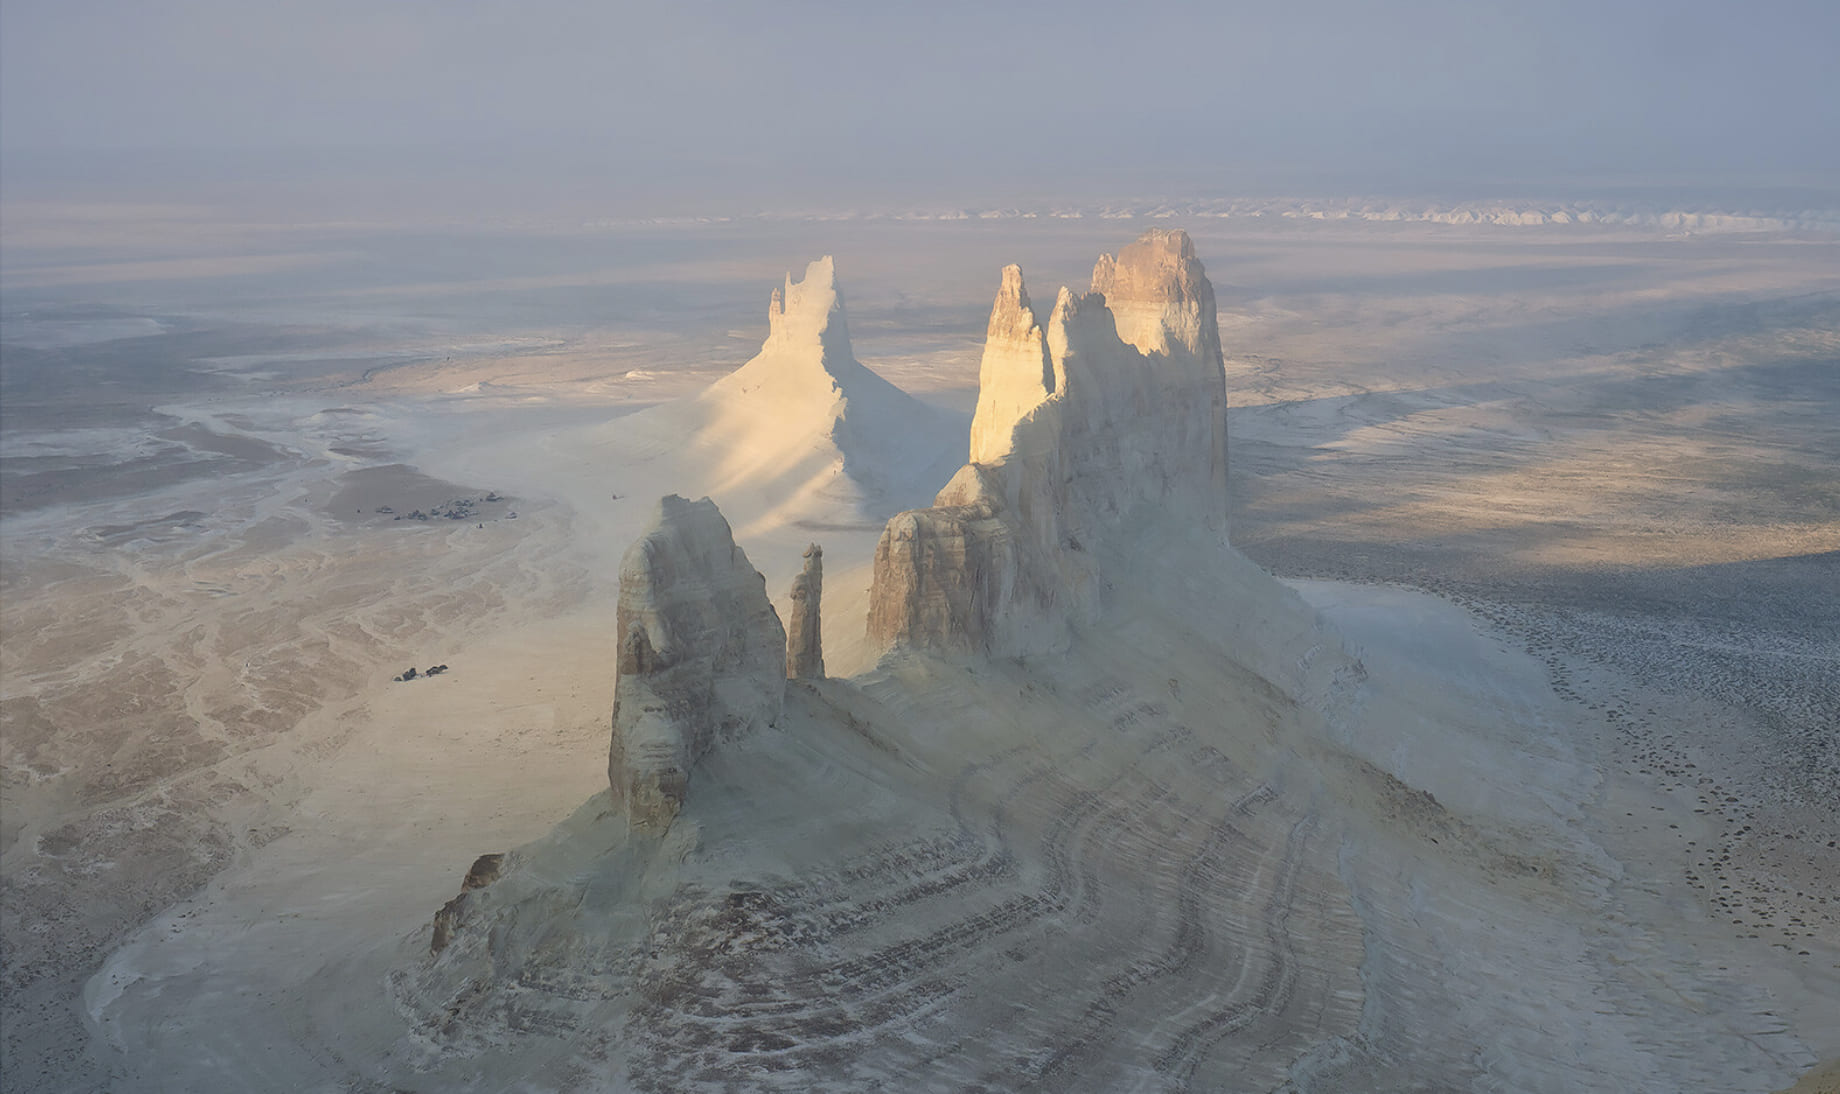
(1358, 94)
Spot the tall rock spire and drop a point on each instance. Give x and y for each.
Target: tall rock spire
(806, 318)
(805, 635)
(700, 657)
(1108, 415)
(1016, 374)
(803, 419)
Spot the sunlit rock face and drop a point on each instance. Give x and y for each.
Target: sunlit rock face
(806, 325)
(1109, 416)
(701, 656)
(804, 418)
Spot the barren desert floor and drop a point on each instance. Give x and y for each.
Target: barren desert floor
(1581, 481)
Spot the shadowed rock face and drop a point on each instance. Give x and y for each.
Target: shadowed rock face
(1110, 415)
(805, 636)
(485, 870)
(701, 656)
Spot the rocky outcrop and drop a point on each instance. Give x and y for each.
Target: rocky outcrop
(701, 657)
(485, 870)
(1107, 417)
(805, 634)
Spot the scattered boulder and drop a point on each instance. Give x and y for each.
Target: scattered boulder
(485, 870)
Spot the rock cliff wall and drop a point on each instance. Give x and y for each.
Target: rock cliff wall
(701, 656)
(1108, 416)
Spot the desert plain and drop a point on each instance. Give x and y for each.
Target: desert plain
(1571, 491)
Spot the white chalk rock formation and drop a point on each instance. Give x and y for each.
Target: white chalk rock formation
(1109, 417)
(700, 656)
(804, 424)
(805, 634)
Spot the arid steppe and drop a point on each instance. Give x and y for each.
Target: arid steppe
(1582, 480)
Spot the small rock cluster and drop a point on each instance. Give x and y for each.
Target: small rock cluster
(457, 509)
(411, 674)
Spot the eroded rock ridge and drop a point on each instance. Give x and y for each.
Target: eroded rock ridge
(701, 656)
(1108, 416)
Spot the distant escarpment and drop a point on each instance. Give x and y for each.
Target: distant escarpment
(702, 656)
(1106, 418)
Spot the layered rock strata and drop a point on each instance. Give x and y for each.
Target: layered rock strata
(1108, 416)
(805, 634)
(701, 656)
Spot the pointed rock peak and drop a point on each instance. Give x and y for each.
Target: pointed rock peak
(1160, 294)
(1011, 316)
(1015, 375)
(810, 311)
(1077, 310)
(674, 507)
(1107, 418)
(816, 291)
(810, 302)
(1079, 325)
(821, 273)
(1160, 266)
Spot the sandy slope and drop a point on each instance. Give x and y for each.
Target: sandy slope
(1167, 861)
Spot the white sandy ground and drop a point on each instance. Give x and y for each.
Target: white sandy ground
(356, 804)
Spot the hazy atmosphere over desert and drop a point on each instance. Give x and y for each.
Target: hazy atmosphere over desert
(817, 547)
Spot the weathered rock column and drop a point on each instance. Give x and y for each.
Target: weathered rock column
(700, 653)
(805, 637)
(1108, 414)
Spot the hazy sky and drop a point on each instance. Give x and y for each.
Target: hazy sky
(883, 92)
